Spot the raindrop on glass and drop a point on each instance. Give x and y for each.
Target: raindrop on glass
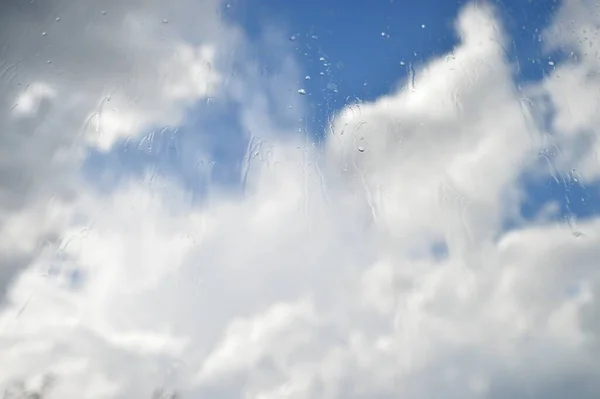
(165, 21)
(292, 38)
(302, 91)
(423, 26)
(103, 12)
(361, 149)
(574, 174)
(551, 63)
(57, 19)
(307, 77)
(321, 58)
(43, 33)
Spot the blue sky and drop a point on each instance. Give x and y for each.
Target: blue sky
(352, 52)
(365, 41)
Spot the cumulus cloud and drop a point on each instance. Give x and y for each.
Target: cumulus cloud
(85, 75)
(374, 265)
(568, 95)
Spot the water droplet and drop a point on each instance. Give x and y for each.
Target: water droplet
(551, 63)
(382, 33)
(103, 12)
(322, 73)
(49, 62)
(321, 58)
(574, 175)
(307, 77)
(57, 19)
(402, 63)
(43, 33)
(292, 38)
(302, 91)
(314, 37)
(423, 26)
(165, 21)
(361, 149)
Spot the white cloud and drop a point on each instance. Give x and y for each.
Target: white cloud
(320, 281)
(455, 134)
(82, 76)
(182, 78)
(572, 88)
(29, 100)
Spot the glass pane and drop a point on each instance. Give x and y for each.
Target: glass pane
(299, 199)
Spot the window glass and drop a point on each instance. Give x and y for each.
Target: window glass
(299, 199)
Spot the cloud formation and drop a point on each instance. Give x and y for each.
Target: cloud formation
(81, 76)
(376, 264)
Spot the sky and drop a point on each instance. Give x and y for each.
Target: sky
(265, 199)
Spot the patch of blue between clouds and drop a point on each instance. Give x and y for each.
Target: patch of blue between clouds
(572, 199)
(351, 52)
(439, 250)
(207, 150)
